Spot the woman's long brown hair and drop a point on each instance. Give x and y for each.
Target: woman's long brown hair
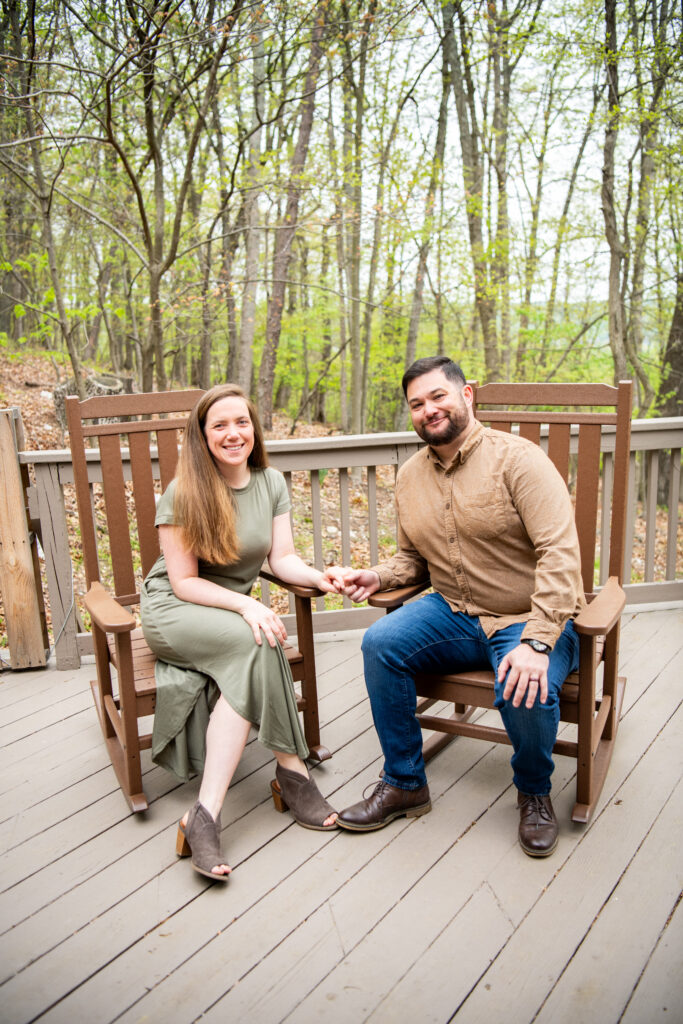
(203, 505)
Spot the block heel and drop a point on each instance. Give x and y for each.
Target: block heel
(278, 798)
(182, 847)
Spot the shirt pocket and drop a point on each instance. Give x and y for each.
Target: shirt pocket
(482, 515)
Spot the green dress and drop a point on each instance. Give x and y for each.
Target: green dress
(203, 651)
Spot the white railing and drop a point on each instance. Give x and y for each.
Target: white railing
(342, 488)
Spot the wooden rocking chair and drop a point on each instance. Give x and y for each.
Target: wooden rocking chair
(117, 528)
(543, 414)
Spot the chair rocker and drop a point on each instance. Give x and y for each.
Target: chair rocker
(544, 414)
(138, 439)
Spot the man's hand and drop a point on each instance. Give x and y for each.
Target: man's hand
(528, 672)
(359, 584)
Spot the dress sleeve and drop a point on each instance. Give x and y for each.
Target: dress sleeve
(279, 492)
(164, 514)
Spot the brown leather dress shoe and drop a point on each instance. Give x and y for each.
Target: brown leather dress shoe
(538, 828)
(383, 805)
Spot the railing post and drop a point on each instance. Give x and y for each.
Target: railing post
(49, 501)
(20, 589)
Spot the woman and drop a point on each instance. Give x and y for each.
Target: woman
(223, 514)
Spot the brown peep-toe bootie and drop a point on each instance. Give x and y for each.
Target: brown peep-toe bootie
(200, 837)
(300, 795)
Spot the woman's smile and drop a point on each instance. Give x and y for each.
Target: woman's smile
(229, 433)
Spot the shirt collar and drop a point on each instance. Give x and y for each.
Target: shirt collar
(472, 441)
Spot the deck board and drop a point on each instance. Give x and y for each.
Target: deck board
(426, 919)
(658, 996)
(626, 930)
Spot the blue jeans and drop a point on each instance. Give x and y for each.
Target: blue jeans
(427, 636)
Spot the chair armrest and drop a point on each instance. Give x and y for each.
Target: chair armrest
(598, 617)
(106, 612)
(293, 588)
(391, 599)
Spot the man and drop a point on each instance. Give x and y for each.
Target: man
(487, 517)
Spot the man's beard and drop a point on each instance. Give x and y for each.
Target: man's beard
(457, 422)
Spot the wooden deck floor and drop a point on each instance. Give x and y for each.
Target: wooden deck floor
(426, 920)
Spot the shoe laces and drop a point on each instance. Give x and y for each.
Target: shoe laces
(378, 790)
(536, 805)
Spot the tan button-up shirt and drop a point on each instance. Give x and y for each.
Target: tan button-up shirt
(494, 531)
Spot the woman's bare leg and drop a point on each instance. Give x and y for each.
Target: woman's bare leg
(226, 738)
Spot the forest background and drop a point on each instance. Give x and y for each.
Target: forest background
(304, 197)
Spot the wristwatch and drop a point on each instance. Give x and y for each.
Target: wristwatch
(537, 646)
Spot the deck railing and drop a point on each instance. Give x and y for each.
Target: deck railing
(342, 486)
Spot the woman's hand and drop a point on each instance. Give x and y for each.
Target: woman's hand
(334, 578)
(263, 619)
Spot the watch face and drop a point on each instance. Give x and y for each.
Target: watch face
(538, 646)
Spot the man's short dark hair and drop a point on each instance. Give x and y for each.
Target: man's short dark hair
(450, 370)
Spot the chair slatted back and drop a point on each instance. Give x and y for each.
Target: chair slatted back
(135, 434)
(569, 419)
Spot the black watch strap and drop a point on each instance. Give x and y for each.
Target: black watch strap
(537, 645)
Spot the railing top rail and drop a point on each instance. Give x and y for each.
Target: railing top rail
(667, 430)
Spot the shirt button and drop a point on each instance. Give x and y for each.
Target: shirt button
(451, 540)
(448, 505)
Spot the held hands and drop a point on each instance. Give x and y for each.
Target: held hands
(358, 584)
(332, 580)
(528, 673)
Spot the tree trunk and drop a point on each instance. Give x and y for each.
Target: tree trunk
(425, 239)
(207, 319)
(473, 180)
(428, 223)
(319, 394)
(648, 117)
(561, 231)
(252, 235)
(616, 312)
(670, 394)
(340, 249)
(531, 261)
(285, 232)
(43, 190)
(634, 333)
(502, 73)
(370, 304)
(152, 343)
(353, 84)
